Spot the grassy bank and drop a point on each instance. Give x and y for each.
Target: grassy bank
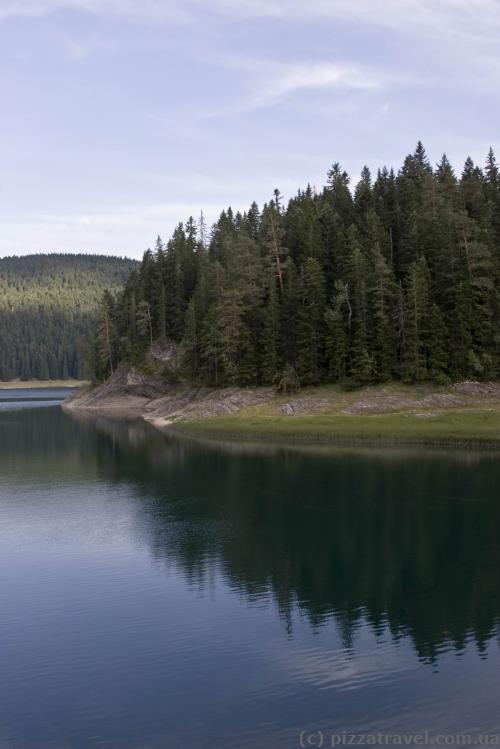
(459, 427)
(392, 414)
(24, 384)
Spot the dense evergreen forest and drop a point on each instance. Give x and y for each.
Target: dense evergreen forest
(48, 308)
(397, 277)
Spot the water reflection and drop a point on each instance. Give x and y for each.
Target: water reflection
(161, 592)
(403, 540)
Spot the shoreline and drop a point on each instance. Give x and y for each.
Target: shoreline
(42, 384)
(464, 415)
(331, 440)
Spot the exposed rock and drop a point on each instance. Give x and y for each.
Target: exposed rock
(126, 390)
(180, 404)
(303, 405)
(161, 403)
(169, 354)
(131, 391)
(469, 387)
(383, 402)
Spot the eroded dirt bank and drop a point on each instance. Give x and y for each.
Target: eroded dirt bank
(131, 392)
(134, 393)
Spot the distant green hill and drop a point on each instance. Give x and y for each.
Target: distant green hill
(48, 306)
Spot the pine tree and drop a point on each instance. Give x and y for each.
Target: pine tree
(144, 323)
(162, 315)
(288, 317)
(418, 302)
(212, 346)
(356, 290)
(492, 192)
(415, 188)
(230, 334)
(105, 338)
(438, 359)
(338, 329)
(382, 295)
(271, 362)
(191, 341)
(310, 322)
(274, 232)
(401, 280)
(363, 200)
(304, 236)
(248, 363)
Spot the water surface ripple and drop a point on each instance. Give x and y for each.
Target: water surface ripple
(159, 592)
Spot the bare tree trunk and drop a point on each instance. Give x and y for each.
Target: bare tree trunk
(417, 341)
(150, 325)
(402, 323)
(348, 304)
(108, 342)
(219, 289)
(466, 247)
(195, 342)
(277, 256)
(202, 231)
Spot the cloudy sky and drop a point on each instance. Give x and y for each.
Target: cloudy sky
(120, 118)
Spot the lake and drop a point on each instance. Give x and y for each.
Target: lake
(31, 397)
(158, 592)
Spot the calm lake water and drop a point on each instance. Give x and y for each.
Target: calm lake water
(31, 397)
(157, 592)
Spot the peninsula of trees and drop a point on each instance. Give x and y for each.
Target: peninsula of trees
(396, 278)
(48, 309)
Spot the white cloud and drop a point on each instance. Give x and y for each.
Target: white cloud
(320, 75)
(278, 81)
(437, 34)
(479, 18)
(451, 23)
(454, 27)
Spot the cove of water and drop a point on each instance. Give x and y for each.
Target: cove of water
(158, 592)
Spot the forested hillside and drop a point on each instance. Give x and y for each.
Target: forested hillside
(48, 307)
(397, 277)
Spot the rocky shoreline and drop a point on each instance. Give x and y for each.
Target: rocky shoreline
(133, 393)
(465, 413)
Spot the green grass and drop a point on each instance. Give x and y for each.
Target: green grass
(452, 426)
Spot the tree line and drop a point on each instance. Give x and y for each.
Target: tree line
(48, 310)
(396, 278)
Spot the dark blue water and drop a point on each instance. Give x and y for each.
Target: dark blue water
(157, 592)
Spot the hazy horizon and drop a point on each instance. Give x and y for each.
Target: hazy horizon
(68, 253)
(121, 122)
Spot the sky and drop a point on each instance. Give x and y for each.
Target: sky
(121, 118)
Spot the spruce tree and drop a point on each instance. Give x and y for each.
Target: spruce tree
(338, 319)
(270, 355)
(310, 322)
(417, 313)
(400, 279)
